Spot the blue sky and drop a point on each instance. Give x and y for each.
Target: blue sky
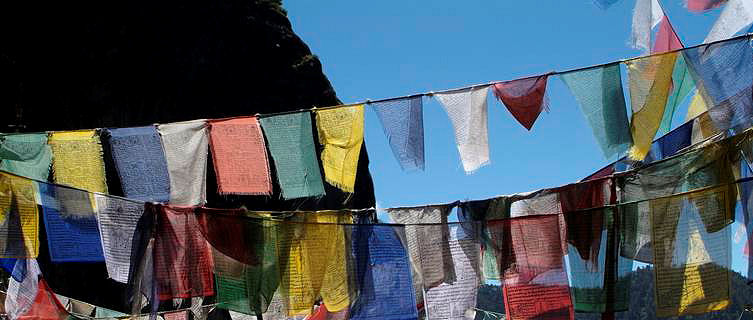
(380, 49)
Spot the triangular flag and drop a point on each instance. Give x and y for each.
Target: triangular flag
(467, 110)
(524, 98)
(403, 123)
(737, 15)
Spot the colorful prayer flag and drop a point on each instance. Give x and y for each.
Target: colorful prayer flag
(240, 157)
(71, 224)
(467, 110)
(19, 217)
(77, 160)
(341, 134)
(736, 16)
(524, 98)
(403, 123)
(140, 162)
(26, 155)
(599, 93)
(186, 146)
(291, 144)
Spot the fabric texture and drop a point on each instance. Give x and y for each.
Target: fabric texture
(140, 162)
(26, 155)
(313, 263)
(403, 123)
(182, 257)
(692, 266)
(341, 135)
(529, 256)
(736, 16)
(32, 298)
(117, 219)
(524, 98)
(418, 215)
(599, 93)
(78, 160)
(468, 112)
(19, 218)
(650, 83)
(647, 14)
(240, 157)
(71, 224)
(186, 147)
(291, 144)
(383, 274)
(682, 85)
(723, 73)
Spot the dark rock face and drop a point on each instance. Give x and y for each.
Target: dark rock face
(90, 64)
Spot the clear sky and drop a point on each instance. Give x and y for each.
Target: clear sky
(380, 49)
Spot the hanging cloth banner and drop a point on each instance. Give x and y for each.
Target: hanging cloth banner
(724, 75)
(313, 263)
(647, 14)
(599, 93)
(71, 224)
(77, 160)
(240, 157)
(430, 214)
(650, 83)
(736, 16)
(140, 162)
(182, 257)
(455, 296)
(32, 298)
(19, 229)
(703, 5)
(482, 210)
(186, 146)
(524, 98)
(530, 260)
(383, 274)
(291, 144)
(246, 256)
(341, 134)
(467, 110)
(692, 264)
(26, 155)
(117, 220)
(403, 123)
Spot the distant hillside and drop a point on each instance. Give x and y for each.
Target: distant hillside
(642, 304)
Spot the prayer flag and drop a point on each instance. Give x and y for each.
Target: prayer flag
(71, 224)
(692, 263)
(383, 274)
(599, 93)
(524, 98)
(117, 220)
(341, 133)
(467, 110)
(291, 145)
(19, 230)
(403, 123)
(650, 83)
(186, 146)
(77, 160)
(240, 157)
(140, 162)
(26, 155)
(736, 16)
(647, 14)
(605, 4)
(182, 258)
(32, 298)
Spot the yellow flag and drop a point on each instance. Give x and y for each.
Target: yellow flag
(78, 160)
(697, 107)
(18, 200)
(341, 134)
(650, 84)
(313, 263)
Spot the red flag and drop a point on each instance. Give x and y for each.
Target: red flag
(666, 38)
(524, 98)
